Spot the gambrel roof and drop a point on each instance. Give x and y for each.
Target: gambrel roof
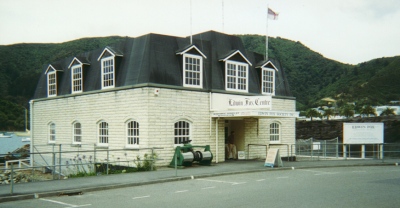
(155, 60)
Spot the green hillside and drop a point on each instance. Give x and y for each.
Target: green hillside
(311, 76)
(20, 65)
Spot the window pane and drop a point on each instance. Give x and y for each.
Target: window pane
(133, 132)
(182, 132)
(192, 71)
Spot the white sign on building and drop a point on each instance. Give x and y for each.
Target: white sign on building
(363, 133)
(226, 102)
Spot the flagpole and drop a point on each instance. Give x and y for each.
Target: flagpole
(223, 18)
(191, 33)
(266, 37)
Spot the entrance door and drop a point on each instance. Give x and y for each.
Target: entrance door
(238, 127)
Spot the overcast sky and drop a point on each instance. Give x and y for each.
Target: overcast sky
(349, 31)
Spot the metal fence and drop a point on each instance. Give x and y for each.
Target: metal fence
(63, 160)
(312, 149)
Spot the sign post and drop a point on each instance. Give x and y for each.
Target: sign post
(362, 134)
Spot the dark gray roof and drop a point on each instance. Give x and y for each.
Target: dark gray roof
(153, 59)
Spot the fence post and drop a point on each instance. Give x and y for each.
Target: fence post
(152, 157)
(108, 157)
(311, 147)
(176, 166)
(53, 163)
(59, 162)
(382, 152)
(94, 158)
(337, 147)
(287, 153)
(12, 179)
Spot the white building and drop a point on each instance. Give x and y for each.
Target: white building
(159, 91)
(380, 109)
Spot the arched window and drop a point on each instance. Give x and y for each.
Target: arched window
(103, 133)
(274, 133)
(52, 133)
(182, 132)
(132, 133)
(77, 133)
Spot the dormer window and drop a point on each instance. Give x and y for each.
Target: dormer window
(76, 67)
(107, 58)
(236, 72)
(268, 78)
(52, 84)
(107, 73)
(51, 73)
(192, 66)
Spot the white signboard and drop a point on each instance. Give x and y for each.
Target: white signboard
(226, 102)
(273, 158)
(362, 133)
(316, 145)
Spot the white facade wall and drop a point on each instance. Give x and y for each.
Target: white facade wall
(288, 132)
(156, 115)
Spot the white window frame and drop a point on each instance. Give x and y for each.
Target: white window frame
(268, 80)
(238, 78)
(76, 133)
(106, 72)
(77, 78)
(103, 136)
(187, 70)
(132, 134)
(182, 132)
(52, 84)
(52, 133)
(275, 129)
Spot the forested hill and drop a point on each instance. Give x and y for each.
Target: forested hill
(311, 76)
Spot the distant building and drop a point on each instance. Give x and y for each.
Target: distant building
(161, 91)
(380, 109)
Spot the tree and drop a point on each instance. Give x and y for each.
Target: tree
(328, 113)
(368, 110)
(388, 112)
(312, 113)
(347, 111)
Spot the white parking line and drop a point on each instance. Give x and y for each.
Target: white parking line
(140, 197)
(69, 205)
(359, 171)
(181, 191)
(261, 180)
(233, 183)
(321, 172)
(210, 187)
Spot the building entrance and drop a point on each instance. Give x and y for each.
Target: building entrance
(238, 127)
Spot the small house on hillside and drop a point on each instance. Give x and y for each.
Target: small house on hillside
(161, 91)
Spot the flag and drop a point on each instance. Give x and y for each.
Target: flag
(272, 15)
